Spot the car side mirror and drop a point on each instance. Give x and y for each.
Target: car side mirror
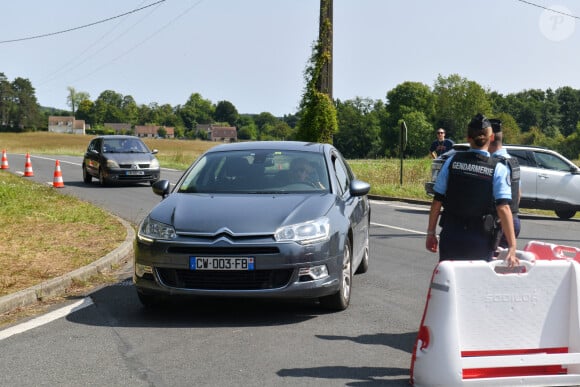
(161, 188)
(359, 188)
(154, 151)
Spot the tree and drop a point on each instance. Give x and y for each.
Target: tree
(26, 109)
(86, 111)
(318, 121)
(569, 101)
(74, 98)
(225, 111)
(419, 134)
(247, 129)
(6, 101)
(162, 132)
(196, 110)
(510, 129)
(406, 98)
(108, 107)
(359, 128)
(129, 109)
(457, 101)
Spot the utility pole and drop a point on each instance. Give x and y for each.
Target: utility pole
(325, 36)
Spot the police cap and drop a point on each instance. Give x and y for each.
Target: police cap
(479, 122)
(495, 125)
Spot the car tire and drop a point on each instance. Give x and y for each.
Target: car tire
(341, 299)
(363, 267)
(87, 178)
(364, 264)
(102, 179)
(565, 214)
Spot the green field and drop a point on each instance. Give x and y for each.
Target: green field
(384, 175)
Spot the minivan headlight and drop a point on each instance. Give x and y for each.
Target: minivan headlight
(305, 233)
(151, 230)
(112, 164)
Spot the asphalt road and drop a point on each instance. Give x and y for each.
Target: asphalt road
(112, 340)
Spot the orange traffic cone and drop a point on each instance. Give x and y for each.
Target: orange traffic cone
(28, 167)
(4, 160)
(57, 182)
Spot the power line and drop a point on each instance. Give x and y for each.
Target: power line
(81, 27)
(548, 9)
(127, 52)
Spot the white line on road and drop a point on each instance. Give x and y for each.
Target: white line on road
(47, 318)
(60, 161)
(399, 228)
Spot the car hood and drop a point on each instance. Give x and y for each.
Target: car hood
(239, 214)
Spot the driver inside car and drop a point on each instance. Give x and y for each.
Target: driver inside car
(301, 171)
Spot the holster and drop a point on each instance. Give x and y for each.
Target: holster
(496, 233)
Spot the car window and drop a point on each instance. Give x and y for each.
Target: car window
(522, 157)
(94, 145)
(343, 174)
(257, 171)
(549, 161)
(124, 145)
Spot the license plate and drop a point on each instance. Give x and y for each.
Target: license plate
(135, 173)
(221, 263)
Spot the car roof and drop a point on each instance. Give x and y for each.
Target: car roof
(110, 136)
(277, 145)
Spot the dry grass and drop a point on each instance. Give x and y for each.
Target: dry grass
(46, 234)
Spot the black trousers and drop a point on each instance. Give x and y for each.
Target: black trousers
(460, 242)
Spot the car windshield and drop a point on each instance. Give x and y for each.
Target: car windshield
(124, 145)
(257, 172)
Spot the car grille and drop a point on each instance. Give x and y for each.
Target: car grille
(224, 280)
(128, 166)
(250, 250)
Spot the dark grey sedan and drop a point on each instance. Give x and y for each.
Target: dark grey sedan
(118, 158)
(257, 219)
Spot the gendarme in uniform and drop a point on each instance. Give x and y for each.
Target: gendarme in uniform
(470, 186)
(513, 165)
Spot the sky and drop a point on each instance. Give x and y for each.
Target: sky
(253, 53)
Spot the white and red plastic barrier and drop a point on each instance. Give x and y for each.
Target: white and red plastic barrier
(551, 251)
(483, 326)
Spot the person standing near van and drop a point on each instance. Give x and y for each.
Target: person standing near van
(497, 150)
(441, 145)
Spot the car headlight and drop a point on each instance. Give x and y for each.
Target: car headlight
(112, 164)
(151, 230)
(154, 164)
(305, 233)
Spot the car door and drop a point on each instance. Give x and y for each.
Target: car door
(92, 156)
(555, 182)
(356, 207)
(528, 174)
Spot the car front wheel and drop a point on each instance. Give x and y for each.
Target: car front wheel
(341, 299)
(565, 214)
(102, 179)
(87, 178)
(364, 264)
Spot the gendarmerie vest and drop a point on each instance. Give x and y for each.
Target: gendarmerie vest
(514, 166)
(470, 186)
